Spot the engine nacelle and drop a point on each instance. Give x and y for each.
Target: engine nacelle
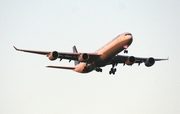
(83, 57)
(53, 55)
(130, 60)
(149, 62)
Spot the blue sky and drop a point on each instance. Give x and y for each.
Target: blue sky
(26, 86)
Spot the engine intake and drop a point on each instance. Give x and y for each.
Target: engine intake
(53, 55)
(149, 62)
(130, 60)
(83, 57)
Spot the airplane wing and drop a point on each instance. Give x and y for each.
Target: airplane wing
(32, 51)
(129, 60)
(63, 55)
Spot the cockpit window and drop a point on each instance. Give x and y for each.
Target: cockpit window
(128, 34)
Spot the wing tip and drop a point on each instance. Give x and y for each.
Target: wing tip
(15, 48)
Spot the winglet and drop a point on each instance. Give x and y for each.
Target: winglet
(15, 48)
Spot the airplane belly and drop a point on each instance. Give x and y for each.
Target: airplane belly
(102, 62)
(82, 68)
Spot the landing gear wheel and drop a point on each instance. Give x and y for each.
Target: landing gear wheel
(125, 51)
(112, 71)
(98, 69)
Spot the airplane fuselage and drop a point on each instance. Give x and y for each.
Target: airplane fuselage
(107, 53)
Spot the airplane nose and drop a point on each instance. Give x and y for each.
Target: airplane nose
(128, 36)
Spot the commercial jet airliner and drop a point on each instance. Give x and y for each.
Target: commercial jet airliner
(106, 55)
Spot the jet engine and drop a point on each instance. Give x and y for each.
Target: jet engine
(149, 62)
(53, 55)
(130, 60)
(83, 57)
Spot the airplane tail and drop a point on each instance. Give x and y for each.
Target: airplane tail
(75, 51)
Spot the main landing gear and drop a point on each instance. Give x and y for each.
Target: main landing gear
(113, 70)
(98, 69)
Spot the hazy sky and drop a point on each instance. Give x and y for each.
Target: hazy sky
(28, 87)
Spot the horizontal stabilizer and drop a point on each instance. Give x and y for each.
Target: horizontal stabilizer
(62, 67)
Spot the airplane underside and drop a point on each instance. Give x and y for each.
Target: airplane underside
(97, 67)
(106, 55)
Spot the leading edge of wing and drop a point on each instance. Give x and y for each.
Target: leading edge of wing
(162, 59)
(62, 55)
(123, 59)
(31, 51)
(156, 59)
(62, 67)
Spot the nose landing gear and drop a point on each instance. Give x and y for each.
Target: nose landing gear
(125, 51)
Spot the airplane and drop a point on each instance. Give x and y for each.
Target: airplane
(106, 55)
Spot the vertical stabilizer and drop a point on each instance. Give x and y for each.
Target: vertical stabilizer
(75, 51)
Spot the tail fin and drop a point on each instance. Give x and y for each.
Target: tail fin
(75, 51)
